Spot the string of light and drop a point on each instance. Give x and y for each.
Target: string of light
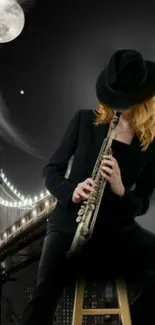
(22, 200)
(11, 187)
(15, 204)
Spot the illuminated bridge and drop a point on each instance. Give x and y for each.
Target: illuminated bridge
(22, 226)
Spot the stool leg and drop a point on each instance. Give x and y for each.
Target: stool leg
(123, 302)
(78, 302)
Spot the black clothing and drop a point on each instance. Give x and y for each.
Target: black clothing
(83, 139)
(116, 227)
(51, 278)
(109, 216)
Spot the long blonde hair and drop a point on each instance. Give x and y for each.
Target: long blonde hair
(141, 117)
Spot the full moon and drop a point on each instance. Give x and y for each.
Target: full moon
(12, 20)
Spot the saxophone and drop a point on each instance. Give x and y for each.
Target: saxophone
(88, 211)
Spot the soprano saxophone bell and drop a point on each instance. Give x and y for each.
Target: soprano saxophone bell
(88, 211)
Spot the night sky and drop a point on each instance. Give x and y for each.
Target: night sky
(56, 60)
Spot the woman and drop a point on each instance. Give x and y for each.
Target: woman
(127, 85)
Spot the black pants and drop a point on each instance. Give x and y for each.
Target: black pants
(55, 271)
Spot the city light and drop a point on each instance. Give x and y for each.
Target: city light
(13, 228)
(34, 213)
(47, 204)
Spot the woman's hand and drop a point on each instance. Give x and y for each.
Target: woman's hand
(83, 190)
(111, 171)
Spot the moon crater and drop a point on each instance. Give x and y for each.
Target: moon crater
(12, 20)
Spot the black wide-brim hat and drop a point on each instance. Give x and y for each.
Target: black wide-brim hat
(127, 80)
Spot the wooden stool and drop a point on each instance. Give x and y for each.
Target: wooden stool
(122, 311)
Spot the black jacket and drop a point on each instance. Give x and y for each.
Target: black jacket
(83, 139)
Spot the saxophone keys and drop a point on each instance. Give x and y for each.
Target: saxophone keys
(110, 152)
(78, 219)
(84, 231)
(93, 200)
(81, 212)
(92, 206)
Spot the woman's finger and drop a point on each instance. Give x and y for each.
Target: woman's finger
(87, 187)
(90, 181)
(76, 195)
(107, 177)
(107, 170)
(107, 162)
(82, 193)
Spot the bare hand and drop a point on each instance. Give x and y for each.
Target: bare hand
(111, 171)
(83, 190)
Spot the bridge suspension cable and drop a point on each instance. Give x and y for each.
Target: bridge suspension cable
(19, 200)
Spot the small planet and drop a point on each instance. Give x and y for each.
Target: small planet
(12, 20)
